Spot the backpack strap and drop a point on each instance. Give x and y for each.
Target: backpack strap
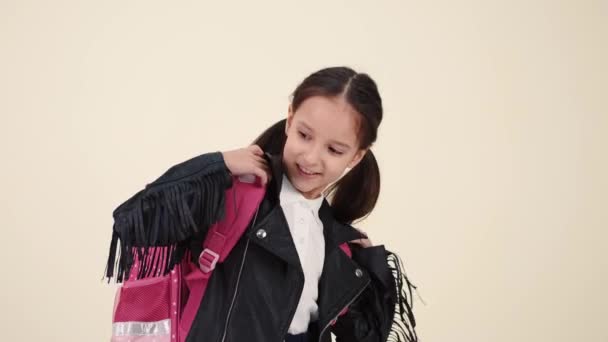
(242, 202)
(346, 248)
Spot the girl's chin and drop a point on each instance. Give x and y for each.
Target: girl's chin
(303, 185)
(309, 193)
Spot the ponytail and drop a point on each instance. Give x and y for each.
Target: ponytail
(273, 139)
(355, 195)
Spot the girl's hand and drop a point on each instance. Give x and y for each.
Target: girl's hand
(248, 160)
(362, 242)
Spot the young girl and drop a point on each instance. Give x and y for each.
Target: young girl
(287, 279)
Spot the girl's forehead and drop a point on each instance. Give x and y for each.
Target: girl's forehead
(333, 118)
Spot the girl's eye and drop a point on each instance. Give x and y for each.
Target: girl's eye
(303, 135)
(334, 151)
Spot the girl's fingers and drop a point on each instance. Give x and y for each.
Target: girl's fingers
(261, 162)
(257, 150)
(257, 168)
(264, 169)
(366, 243)
(262, 174)
(259, 159)
(363, 242)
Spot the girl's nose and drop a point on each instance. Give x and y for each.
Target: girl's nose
(312, 157)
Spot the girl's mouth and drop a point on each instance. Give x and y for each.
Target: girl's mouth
(305, 172)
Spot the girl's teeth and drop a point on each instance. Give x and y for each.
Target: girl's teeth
(306, 171)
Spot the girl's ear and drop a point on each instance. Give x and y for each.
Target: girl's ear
(357, 158)
(289, 119)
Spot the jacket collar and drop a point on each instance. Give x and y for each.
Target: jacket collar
(335, 232)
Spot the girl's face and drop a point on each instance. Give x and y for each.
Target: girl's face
(321, 143)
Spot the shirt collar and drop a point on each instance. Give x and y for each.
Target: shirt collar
(289, 194)
(335, 232)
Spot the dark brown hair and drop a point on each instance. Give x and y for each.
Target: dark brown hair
(354, 196)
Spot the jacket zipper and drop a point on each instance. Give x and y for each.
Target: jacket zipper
(238, 278)
(338, 314)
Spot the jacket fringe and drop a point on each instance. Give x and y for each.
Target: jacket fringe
(404, 323)
(164, 217)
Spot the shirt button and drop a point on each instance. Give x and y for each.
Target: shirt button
(301, 220)
(358, 273)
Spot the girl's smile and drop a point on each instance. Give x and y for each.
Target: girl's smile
(321, 143)
(306, 172)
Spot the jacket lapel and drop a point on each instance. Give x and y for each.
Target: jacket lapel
(271, 232)
(278, 237)
(339, 283)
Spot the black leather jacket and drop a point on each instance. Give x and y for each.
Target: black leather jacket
(253, 295)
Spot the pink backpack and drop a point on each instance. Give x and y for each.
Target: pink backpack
(162, 308)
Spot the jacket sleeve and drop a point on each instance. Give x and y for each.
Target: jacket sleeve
(382, 311)
(180, 205)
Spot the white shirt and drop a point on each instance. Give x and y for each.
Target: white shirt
(307, 231)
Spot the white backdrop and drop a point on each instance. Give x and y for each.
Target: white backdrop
(493, 149)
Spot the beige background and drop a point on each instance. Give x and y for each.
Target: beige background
(493, 150)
